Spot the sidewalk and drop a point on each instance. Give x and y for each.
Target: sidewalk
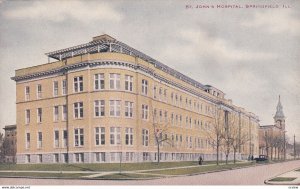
(288, 178)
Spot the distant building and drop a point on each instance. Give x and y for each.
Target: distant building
(272, 137)
(10, 143)
(99, 102)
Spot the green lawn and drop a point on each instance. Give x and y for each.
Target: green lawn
(200, 169)
(280, 179)
(210, 166)
(43, 175)
(99, 166)
(126, 176)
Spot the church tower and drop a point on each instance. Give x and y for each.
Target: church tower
(279, 118)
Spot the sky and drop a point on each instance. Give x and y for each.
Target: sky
(251, 54)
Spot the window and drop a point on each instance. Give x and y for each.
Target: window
(100, 136)
(39, 115)
(144, 87)
(155, 115)
(55, 113)
(39, 158)
(180, 100)
(39, 91)
(79, 157)
(160, 116)
(145, 137)
(27, 140)
(27, 159)
(99, 108)
(154, 92)
(78, 84)
(100, 156)
(129, 156)
(128, 83)
(40, 140)
(129, 136)
(114, 81)
(128, 109)
(56, 139)
(115, 135)
(145, 156)
(27, 93)
(55, 88)
(79, 138)
(165, 95)
(78, 110)
(65, 138)
(64, 112)
(187, 121)
(166, 117)
(56, 158)
(66, 158)
(99, 81)
(27, 117)
(160, 93)
(144, 111)
(187, 141)
(180, 120)
(115, 108)
(64, 87)
(115, 156)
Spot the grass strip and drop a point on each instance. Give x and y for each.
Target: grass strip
(200, 169)
(125, 176)
(282, 179)
(98, 166)
(44, 175)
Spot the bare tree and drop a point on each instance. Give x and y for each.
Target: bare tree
(160, 133)
(237, 139)
(277, 144)
(2, 149)
(297, 149)
(229, 134)
(217, 130)
(268, 140)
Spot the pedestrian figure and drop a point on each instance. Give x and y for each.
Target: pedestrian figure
(249, 158)
(252, 158)
(200, 160)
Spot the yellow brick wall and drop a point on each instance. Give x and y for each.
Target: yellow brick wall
(88, 122)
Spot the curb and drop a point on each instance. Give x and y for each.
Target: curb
(268, 182)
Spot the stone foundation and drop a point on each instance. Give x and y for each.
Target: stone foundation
(114, 157)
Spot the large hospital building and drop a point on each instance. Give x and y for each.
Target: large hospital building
(104, 100)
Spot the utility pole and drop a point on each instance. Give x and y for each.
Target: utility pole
(284, 146)
(294, 147)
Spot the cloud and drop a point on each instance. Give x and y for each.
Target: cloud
(200, 43)
(59, 11)
(279, 22)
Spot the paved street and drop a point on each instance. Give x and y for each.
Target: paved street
(247, 176)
